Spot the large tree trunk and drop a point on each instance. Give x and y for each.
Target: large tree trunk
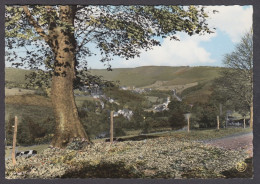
(68, 125)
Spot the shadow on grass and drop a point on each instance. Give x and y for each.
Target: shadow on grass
(234, 173)
(103, 170)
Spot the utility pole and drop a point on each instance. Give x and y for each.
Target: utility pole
(111, 126)
(14, 139)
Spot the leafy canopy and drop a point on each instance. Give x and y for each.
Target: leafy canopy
(235, 86)
(123, 31)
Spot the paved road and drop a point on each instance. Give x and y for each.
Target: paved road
(240, 141)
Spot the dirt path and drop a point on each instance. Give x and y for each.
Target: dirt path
(242, 141)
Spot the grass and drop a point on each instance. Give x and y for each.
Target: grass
(147, 75)
(140, 76)
(16, 75)
(29, 100)
(38, 148)
(34, 112)
(209, 134)
(17, 91)
(164, 157)
(197, 135)
(80, 100)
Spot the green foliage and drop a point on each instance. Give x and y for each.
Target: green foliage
(159, 93)
(94, 123)
(175, 105)
(138, 117)
(177, 120)
(119, 132)
(31, 132)
(121, 34)
(234, 87)
(205, 115)
(192, 89)
(9, 130)
(31, 129)
(126, 99)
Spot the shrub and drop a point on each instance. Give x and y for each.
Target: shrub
(31, 131)
(177, 120)
(9, 130)
(119, 132)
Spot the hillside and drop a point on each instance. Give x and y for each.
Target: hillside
(193, 82)
(15, 75)
(140, 76)
(149, 75)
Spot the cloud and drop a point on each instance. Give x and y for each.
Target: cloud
(176, 53)
(233, 20)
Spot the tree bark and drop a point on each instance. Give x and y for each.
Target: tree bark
(68, 125)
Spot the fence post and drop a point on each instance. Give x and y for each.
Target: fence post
(244, 122)
(188, 124)
(14, 139)
(111, 125)
(218, 121)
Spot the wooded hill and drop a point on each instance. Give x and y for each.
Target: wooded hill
(192, 82)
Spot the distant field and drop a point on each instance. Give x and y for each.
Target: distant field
(80, 99)
(163, 85)
(17, 91)
(140, 76)
(36, 113)
(148, 75)
(29, 99)
(16, 75)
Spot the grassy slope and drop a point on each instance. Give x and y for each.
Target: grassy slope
(147, 75)
(140, 76)
(15, 75)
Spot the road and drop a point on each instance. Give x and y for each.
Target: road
(235, 142)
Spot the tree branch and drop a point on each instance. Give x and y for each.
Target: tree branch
(85, 38)
(37, 27)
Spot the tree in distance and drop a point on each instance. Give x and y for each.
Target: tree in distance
(59, 39)
(177, 110)
(235, 86)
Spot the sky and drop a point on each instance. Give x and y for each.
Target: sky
(231, 23)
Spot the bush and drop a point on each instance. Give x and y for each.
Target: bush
(9, 130)
(205, 115)
(177, 120)
(95, 123)
(30, 131)
(119, 132)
